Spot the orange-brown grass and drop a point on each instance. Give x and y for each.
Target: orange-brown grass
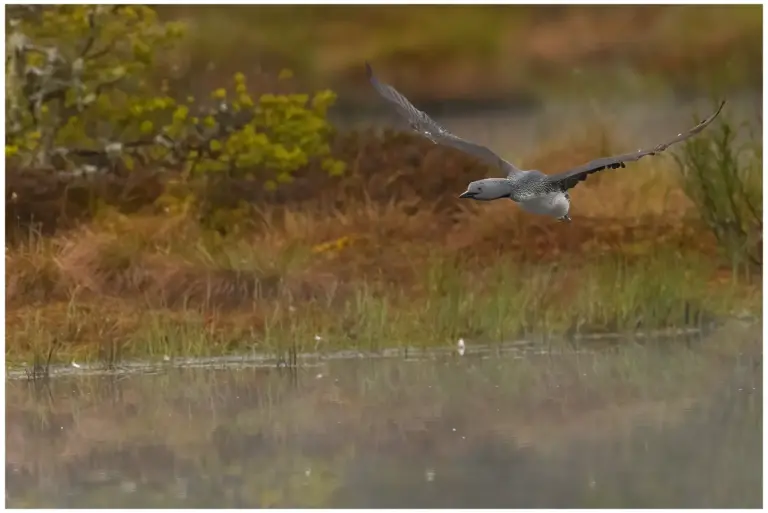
(106, 282)
(174, 259)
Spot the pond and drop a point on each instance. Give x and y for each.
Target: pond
(645, 423)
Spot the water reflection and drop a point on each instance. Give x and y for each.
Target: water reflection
(635, 426)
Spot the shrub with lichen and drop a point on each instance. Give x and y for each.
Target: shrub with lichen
(81, 99)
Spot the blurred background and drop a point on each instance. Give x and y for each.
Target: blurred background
(479, 55)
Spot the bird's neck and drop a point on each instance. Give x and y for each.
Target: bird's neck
(499, 187)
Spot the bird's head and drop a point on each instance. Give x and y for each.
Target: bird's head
(487, 189)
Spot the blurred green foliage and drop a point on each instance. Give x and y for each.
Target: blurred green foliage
(82, 96)
(74, 73)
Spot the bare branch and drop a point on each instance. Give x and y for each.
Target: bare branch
(93, 33)
(104, 51)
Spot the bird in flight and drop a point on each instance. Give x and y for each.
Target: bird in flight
(533, 190)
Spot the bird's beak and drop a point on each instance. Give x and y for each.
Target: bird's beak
(467, 194)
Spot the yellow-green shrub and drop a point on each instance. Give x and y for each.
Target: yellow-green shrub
(80, 97)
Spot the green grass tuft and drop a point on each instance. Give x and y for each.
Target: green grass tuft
(724, 180)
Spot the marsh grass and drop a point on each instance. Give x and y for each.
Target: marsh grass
(377, 268)
(448, 299)
(724, 180)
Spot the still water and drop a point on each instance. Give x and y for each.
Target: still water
(666, 423)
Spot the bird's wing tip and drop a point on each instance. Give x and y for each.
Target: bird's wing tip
(719, 108)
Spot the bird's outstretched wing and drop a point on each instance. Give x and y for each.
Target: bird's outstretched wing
(572, 177)
(426, 126)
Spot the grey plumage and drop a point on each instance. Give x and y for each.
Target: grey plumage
(420, 122)
(535, 191)
(570, 178)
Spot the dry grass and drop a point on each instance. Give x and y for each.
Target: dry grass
(171, 259)
(98, 286)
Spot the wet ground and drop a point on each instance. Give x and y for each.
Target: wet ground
(645, 423)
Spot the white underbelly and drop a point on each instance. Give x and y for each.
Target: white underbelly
(554, 204)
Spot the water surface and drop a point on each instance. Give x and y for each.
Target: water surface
(658, 424)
